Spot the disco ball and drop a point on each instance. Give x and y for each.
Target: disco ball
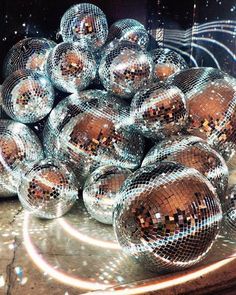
(48, 190)
(85, 22)
(29, 54)
(101, 190)
(1, 110)
(167, 216)
(19, 149)
(27, 96)
(195, 153)
(166, 63)
(126, 69)
(90, 128)
(130, 30)
(71, 66)
(159, 111)
(229, 209)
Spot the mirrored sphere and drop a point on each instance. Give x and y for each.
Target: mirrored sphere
(101, 189)
(29, 54)
(48, 190)
(27, 96)
(71, 66)
(19, 149)
(167, 216)
(159, 111)
(195, 153)
(229, 209)
(125, 69)
(85, 22)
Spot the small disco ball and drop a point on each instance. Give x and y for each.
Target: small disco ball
(195, 153)
(166, 63)
(19, 149)
(159, 111)
(130, 30)
(48, 190)
(71, 66)
(85, 22)
(29, 54)
(27, 96)
(126, 69)
(229, 209)
(167, 216)
(101, 190)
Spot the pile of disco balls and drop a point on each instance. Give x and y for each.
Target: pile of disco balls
(144, 137)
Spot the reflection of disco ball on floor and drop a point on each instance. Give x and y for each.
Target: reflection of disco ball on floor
(192, 152)
(166, 63)
(71, 66)
(19, 149)
(29, 54)
(159, 111)
(85, 22)
(101, 190)
(48, 190)
(167, 216)
(27, 96)
(130, 30)
(125, 69)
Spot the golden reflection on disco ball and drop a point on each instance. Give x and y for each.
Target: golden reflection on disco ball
(29, 54)
(166, 63)
(27, 96)
(85, 22)
(159, 111)
(125, 69)
(130, 30)
(71, 66)
(19, 149)
(101, 190)
(229, 209)
(167, 216)
(48, 190)
(195, 153)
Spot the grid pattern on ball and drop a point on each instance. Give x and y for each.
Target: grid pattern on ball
(101, 190)
(30, 53)
(167, 216)
(159, 111)
(125, 69)
(71, 67)
(85, 21)
(27, 96)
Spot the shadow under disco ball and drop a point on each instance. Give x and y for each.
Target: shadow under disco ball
(167, 216)
(85, 22)
(30, 54)
(101, 191)
(27, 96)
(48, 190)
(130, 30)
(194, 153)
(19, 149)
(93, 128)
(159, 111)
(71, 66)
(166, 63)
(125, 69)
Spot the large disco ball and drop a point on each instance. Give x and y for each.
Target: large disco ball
(167, 216)
(130, 30)
(27, 96)
(229, 209)
(195, 153)
(29, 54)
(101, 190)
(159, 111)
(85, 22)
(71, 66)
(19, 149)
(125, 69)
(166, 63)
(48, 190)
